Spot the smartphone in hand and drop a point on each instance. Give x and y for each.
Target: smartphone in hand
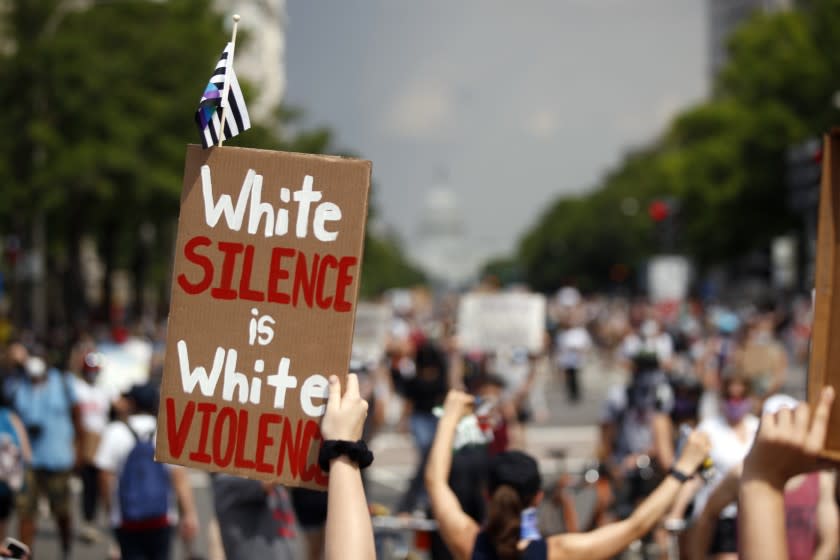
(13, 548)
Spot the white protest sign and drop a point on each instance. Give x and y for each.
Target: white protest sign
(502, 321)
(370, 333)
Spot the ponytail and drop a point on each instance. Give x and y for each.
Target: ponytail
(503, 520)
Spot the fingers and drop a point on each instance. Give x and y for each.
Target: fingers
(819, 426)
(334, 398)
(352, 391)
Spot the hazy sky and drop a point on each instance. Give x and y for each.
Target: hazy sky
(505, 104)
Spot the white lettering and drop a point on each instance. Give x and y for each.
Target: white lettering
(234, 380)
(213, 211)
(305, 197)
(326, 212)
(198, 376)
(315, 387)
(281, 381)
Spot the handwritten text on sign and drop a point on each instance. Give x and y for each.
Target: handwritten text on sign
(266, 278)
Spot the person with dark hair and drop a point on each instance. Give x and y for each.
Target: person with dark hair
(140, 494)
(515, 486)
(731, 433)
(423, 386)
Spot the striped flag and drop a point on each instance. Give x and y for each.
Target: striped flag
(208, 116)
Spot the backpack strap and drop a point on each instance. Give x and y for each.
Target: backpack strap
(130, 429)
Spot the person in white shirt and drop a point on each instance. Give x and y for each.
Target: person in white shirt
(94, 407)
(731, 434)
(573, 344)
(150, 539)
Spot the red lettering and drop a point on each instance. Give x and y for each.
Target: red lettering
(245, 291)
(177, 437)
(311, 435)
(344, 280)
(241, 439)
(201, 455)
(264, 440)
(305, 281)
(276, 273)
(205, 263)
(225, 291)
(222, 459)
(289, 448)
(327, 261)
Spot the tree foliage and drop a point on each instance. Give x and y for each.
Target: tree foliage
(722, 161)
(98, 108)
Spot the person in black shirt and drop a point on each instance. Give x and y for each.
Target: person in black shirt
(423, 386)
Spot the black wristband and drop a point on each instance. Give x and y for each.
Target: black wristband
(356, 451)
(681, 476)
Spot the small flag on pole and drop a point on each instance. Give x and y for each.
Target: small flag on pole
(208, 116)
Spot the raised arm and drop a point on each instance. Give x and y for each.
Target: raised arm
(724, 494)
(349, 533)
(788, 443)
(611, 539)
(828, 525)
(457, 529)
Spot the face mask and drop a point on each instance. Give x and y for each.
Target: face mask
(735, 410)
(36, 368)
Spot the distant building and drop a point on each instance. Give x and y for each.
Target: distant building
(724, 16)
(440, 247)
(262, 59)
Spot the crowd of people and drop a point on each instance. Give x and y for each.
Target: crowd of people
(680, 436)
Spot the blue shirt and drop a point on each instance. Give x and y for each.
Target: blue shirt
(49, 405)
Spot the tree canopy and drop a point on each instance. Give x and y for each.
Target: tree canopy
(721, 162)
(98, 108)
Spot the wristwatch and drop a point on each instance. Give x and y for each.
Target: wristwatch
(679, 475)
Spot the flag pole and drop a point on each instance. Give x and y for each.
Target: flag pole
(228, 70)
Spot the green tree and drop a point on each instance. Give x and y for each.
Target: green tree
(723, 161)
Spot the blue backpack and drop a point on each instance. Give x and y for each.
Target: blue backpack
(144, 484)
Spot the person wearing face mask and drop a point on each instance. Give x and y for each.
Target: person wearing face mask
(47, 404)
(731, 434)
(95, 405)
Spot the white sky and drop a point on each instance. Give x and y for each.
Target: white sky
(506, 104)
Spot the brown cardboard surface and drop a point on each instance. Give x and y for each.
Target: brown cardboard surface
(824, 366)
(260, 308)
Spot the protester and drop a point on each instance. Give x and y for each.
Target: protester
(636, 444)
(95, 407)
(788, 444)
(811, 513)
(15, 456)
(255, 518)
(423, 384)
(310, 507)
(349, 533)
(140, 494)
(573, 344)
(48, 407)
(515, 486)
(731, 433)
(764, 359)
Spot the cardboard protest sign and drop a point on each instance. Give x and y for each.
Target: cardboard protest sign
(494, 321)
(824, 366)
(266, 274)
(371, 332)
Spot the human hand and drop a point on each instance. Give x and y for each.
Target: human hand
(189, 526)
(457, 404)
(345, 415)
(696, 449)
(789, 442)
